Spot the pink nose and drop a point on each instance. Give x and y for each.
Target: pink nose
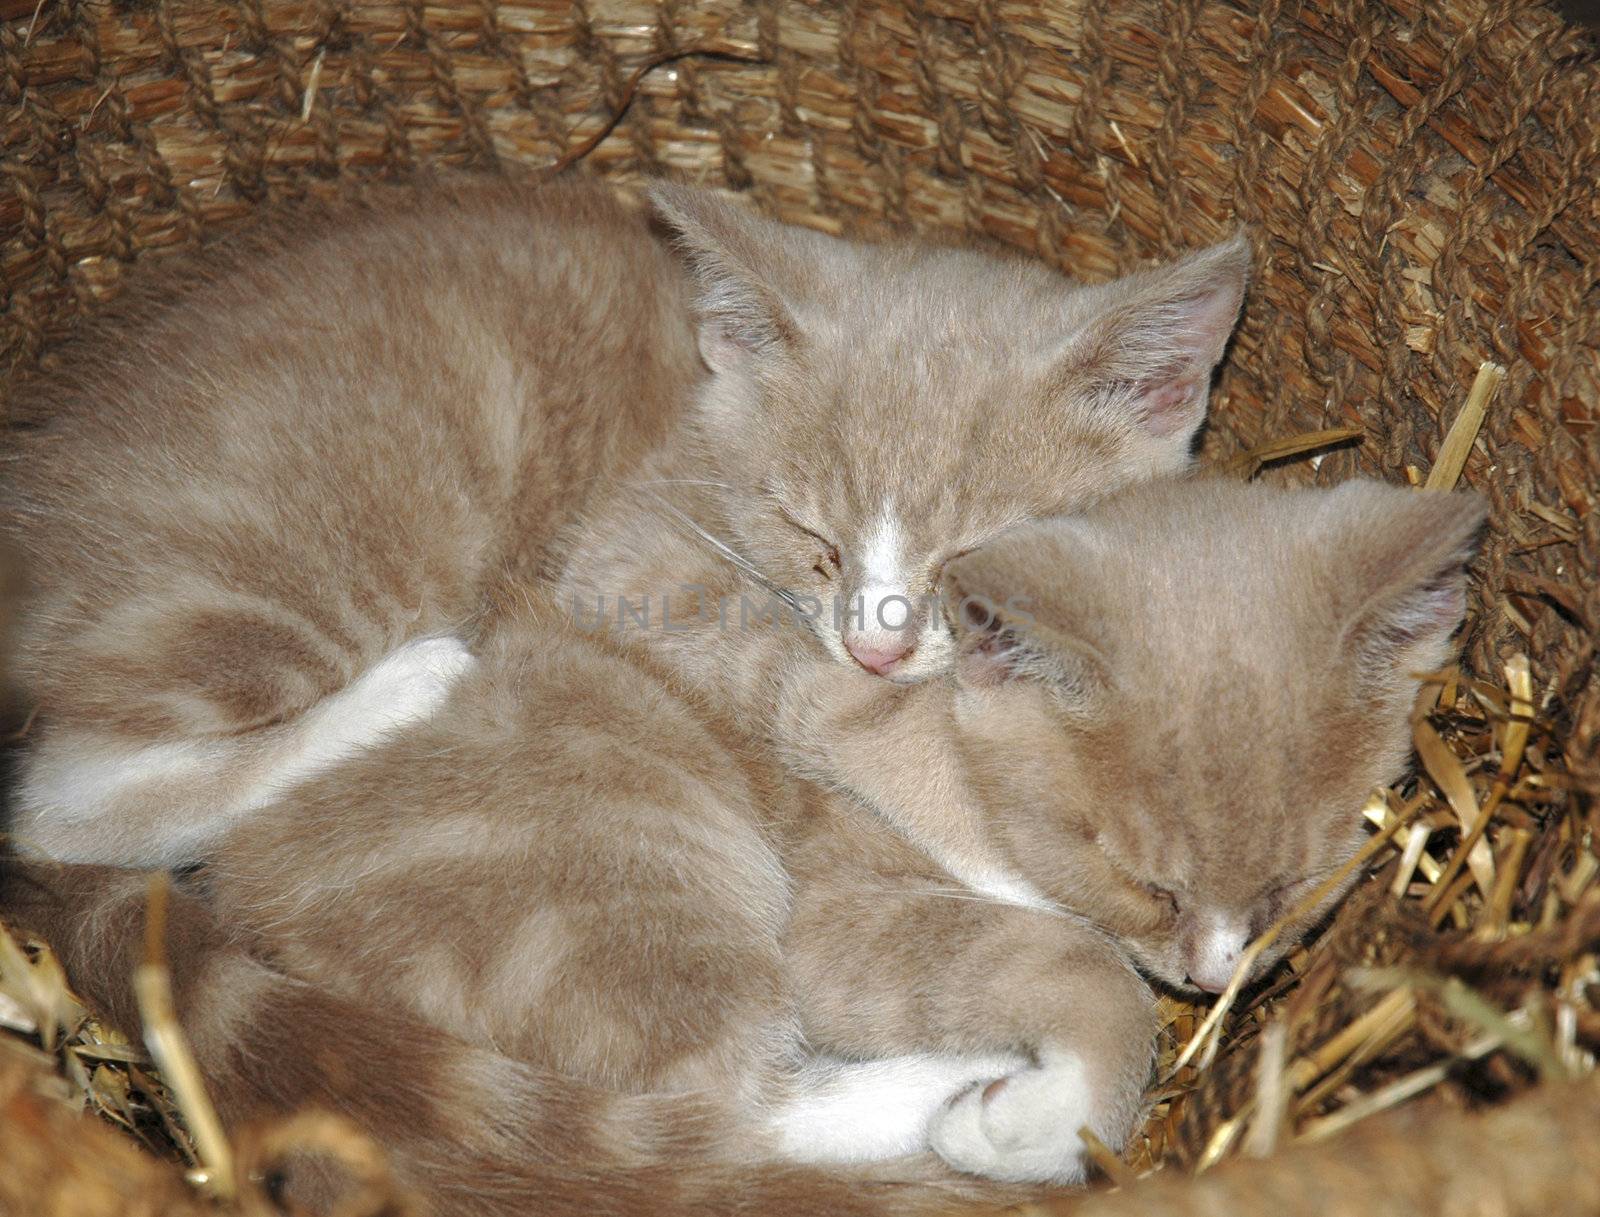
(877, 660)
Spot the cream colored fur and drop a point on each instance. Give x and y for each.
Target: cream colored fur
(715, 887)
(581, 863)
(247, 494)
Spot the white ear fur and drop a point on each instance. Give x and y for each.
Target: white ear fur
(1161, 334)
(726, 343)
(989, 652)
(999, 642)
(742, 265)
(739, 315)
(1408, 552)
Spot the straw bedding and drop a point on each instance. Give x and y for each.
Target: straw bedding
(1419, 181)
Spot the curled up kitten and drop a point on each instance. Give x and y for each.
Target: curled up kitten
(1175, 732)
(266, 494)
(267, 512)
(760, 994)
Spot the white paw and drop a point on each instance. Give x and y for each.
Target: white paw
(1022, 1129)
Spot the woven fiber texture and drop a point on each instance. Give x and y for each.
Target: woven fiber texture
(1419, 181)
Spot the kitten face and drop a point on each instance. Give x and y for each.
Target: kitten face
(1213, 679)
(874, 412)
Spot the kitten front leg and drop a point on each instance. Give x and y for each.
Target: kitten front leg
(892, 957)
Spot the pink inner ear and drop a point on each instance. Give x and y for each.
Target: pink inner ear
(721, 346)
(1168, 406)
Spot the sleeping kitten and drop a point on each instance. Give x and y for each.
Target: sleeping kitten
(579, 862)
(266, 514)
(873, 412)
(1175, 733)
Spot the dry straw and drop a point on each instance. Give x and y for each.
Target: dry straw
(1419, 184)
(164, 1037)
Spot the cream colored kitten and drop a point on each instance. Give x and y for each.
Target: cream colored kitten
(266, 515)
(578, 869)
(268, 493)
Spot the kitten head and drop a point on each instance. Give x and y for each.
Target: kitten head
(1193, 691)
(874, 411)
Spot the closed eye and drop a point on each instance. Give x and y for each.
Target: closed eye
(788, 518)
(830, 551)
(1293, 887)
(1164, 896)
(1279, 900)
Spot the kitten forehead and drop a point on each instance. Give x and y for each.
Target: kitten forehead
(1209, 567)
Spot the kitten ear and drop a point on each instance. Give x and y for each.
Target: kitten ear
(1154, 340)
(739, 262)
(1402, 583)
(1008, 603)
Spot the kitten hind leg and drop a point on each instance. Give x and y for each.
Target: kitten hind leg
(89, 796)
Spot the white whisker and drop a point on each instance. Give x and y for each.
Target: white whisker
(647, 482)
(730, 554)
(967, 893)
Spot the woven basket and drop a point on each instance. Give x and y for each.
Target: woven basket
(1419, 181)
